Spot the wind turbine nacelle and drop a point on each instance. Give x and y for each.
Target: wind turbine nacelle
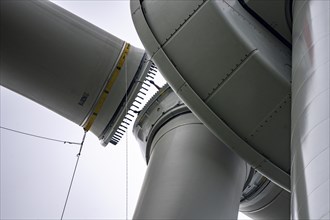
(233, 73)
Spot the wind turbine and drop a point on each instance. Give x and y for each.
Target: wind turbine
(230, 64)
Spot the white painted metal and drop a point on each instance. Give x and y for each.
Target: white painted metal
(260, 199)
(59, 61)
(62, 62)
(131, 104)
(229, 70)
(162, 107)
(276, 13)
(191, 175)
(263, 199)
(310, 110)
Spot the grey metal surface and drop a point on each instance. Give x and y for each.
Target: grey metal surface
(157, 10)
(275, 13)
(64, 63)
(260, 199)
(53, 56)
(129, 106)
(263, 199)
(310, 110)
(231, 72)
(117, 94)
(162, 107)
(191, 175)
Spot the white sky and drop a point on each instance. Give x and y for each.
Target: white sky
(35, 174)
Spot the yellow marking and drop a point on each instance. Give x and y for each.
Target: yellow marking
(107, 88)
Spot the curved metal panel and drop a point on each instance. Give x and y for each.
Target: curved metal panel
(310, 110)
(68, 65)
(55, 57)
(232, 73)
(263, 199)
(191, 174)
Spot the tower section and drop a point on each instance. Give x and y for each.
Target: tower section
(192, 175)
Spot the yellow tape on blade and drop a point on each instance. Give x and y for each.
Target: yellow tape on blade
(107, 88)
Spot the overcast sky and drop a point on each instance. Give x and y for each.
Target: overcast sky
(35, 173)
